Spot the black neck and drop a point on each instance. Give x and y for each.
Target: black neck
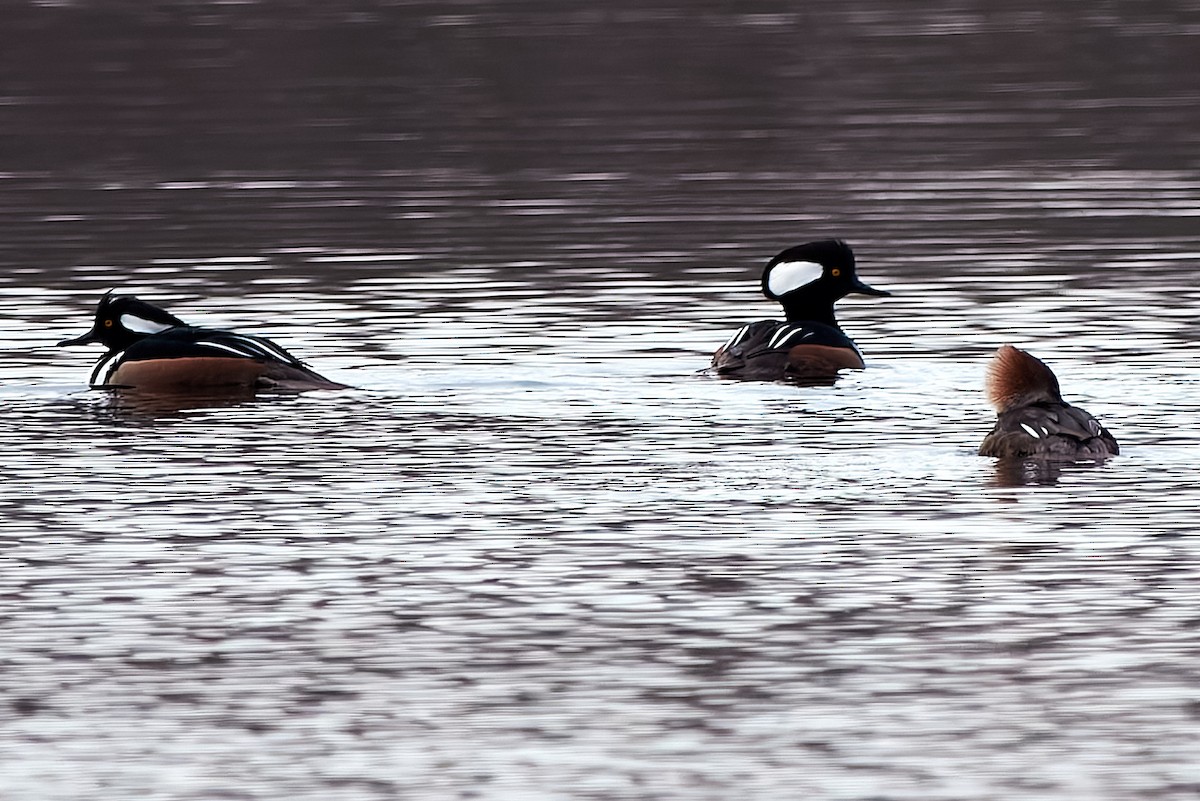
(817, 310)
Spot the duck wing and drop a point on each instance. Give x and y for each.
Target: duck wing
(772, 350)
(1052, 430)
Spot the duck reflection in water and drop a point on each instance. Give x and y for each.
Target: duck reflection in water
(1013, 471)
(135, 403)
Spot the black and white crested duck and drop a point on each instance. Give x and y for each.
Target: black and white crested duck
(151, 349)
(808, 346)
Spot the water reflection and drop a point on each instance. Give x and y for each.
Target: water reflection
(1017, 472)
(131, 403)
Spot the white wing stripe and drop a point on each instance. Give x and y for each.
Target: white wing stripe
(782, 333)
(251, 354)
(786, 334)
(736, 338)
(266, 348)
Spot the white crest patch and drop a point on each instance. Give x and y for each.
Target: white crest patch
(1032, 431)
(790, 275)
(140, 325)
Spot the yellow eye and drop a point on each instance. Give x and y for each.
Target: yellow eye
(108, 323)
(835, 272)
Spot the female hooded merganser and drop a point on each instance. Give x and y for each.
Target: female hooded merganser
(152, 349)
(1032, 418)
(806, 280)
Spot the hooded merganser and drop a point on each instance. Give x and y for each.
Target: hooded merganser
(151, 349)
(1032, 418)
(806, 280)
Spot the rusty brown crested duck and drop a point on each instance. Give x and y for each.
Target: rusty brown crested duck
(1033, 420)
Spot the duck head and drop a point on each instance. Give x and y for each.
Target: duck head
(122, 320)
(808, 279)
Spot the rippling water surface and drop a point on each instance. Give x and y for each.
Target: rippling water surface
(535, 553)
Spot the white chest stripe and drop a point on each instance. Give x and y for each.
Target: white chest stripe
(1032, 431)
(140, 325)
(109, 361)
(790, 275)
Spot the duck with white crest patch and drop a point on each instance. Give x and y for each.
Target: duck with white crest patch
(808, 346)
(151, 349)
(1033, 420)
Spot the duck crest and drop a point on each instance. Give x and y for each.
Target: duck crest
(1015, 379)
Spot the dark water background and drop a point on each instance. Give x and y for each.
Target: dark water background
(534, 555)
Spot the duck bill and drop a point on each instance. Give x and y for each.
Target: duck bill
(86, 339)
(859, 288)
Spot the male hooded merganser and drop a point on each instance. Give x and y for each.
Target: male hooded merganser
(1032, 418)
(152, 349)
(806, 280)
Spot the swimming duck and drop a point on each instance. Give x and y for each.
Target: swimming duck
(808, 346)
(151, 349)
(1033, 420)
